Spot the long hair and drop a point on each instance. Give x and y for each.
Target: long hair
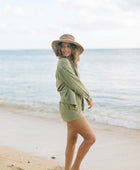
(74, 53)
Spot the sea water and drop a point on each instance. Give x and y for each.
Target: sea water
(112, 77)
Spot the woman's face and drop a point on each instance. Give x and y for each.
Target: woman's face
(66, 49)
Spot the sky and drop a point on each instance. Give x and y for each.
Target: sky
(95, 24)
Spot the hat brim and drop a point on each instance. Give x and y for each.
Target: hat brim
(56, 43)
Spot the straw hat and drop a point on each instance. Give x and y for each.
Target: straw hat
(67, 38)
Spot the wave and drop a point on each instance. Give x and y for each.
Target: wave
(126, 122)
(51, 110)
(30, 107)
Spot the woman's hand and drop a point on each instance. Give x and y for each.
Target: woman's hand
(90, 105)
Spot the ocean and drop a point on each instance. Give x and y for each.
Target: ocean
(112, 77)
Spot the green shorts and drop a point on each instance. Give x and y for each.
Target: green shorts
(70, 112)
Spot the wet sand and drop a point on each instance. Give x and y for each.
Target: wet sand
(30, 143)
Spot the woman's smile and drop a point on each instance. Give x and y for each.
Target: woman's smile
(66, 49)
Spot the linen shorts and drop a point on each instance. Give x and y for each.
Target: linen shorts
(70, 112)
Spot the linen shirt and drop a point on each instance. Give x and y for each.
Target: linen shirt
(71, 89)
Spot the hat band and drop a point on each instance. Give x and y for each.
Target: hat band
(65, 39)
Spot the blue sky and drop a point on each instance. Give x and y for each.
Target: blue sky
(32, 24)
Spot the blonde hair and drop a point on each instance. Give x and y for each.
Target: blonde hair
(74, 53)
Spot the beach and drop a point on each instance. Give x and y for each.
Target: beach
(17, 160)
(32, 133)
(34, 143)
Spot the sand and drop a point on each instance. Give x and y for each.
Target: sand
(29, 143)
(11, 159)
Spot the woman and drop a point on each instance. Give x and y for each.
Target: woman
(72, 93)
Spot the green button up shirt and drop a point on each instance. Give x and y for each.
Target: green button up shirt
(71, 89)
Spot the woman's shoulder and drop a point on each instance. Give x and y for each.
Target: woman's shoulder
(64, 62)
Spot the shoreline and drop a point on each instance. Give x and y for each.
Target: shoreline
(116, 147)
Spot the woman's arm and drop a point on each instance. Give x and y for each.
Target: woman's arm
(71, 80)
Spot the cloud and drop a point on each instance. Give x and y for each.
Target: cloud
(81, 4)
(100, 4)
(2, 26)
(17, 10)
(80, 7)
(102, 14)
(99, 19)
(23, 29)
(17, 29)
(129, 5)
(41, 14)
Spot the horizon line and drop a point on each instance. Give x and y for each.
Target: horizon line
(85, 48)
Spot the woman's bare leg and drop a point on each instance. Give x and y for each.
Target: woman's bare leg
(71, 141)
(82, 127)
